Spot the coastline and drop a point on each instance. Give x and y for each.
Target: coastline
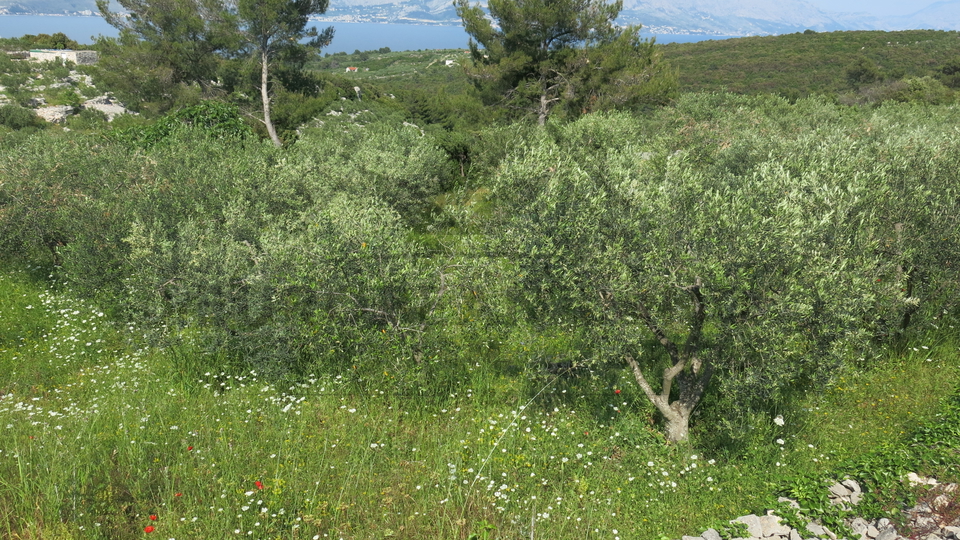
(352, 19)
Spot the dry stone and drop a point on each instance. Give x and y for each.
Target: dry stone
(840, 490)
(770, 526)
(57, 114)
(790, 502)
(860, 526)
(816, 529)
(927, 521)
(888, 534)
(753, 525)
(107, 105)
(710, 534)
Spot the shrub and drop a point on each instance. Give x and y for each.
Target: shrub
(15, 117)
(215, 118)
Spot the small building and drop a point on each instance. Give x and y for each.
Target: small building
(351, 70)
(66, 55)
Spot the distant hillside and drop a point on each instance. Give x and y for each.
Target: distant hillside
(807, 63)
(703, 17)
(735, 18)
(943, 15)
(53, 7)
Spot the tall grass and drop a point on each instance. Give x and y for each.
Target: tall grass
(103, 439)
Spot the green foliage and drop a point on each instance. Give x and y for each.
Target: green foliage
(801, 64)
(626, 74)
(605, 230)
(137, 74)
(179, 37)
(949, 73)
(447, 291)
(87, 120)
(924, 90)
(540, 54)
(58, 40)
(861, 72)
(274, 30)
(397, 164)
(16, 117)
(882, 472)
(215, 119)
(590, 234)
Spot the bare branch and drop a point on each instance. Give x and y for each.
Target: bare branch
(657, 400)
(696, 330)
(658, 332)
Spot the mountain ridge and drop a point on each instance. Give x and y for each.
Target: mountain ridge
(703, 17)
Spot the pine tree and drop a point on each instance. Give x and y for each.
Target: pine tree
(545, 52)
(271, 28)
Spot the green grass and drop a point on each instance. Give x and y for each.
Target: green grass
(100, 436)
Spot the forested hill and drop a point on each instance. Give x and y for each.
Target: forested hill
(808, 63)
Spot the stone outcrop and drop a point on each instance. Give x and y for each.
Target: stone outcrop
(107, 105)
(81, 83)
(57, 114)
(935, 517)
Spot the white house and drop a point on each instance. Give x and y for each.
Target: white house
(77, 57)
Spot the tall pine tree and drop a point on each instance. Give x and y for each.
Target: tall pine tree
(542, 53)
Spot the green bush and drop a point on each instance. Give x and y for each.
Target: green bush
(15, 117)
(214, 118)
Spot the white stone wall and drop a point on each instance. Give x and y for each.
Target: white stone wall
(77, 57)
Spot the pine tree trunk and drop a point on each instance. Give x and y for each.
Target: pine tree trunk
(265, 96)
(544, 107)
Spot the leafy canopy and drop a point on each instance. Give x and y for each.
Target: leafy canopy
(542, 52)
(270, 29)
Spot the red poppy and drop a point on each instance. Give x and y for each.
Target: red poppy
(259, 484)
(617, 391)
(149, 529)
(178, 494)
(153, 517)
(189, 448)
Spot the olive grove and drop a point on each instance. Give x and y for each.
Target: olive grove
(728, 250)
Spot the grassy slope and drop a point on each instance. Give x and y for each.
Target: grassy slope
(792, 64)
(382, 66)
(98, 436)
(806, 63)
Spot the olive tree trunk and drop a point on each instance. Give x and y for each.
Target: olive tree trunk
(691, 373)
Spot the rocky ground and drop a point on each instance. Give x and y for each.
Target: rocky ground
(936, 516)
(42, 83)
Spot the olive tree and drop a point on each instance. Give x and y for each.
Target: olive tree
(768, 277)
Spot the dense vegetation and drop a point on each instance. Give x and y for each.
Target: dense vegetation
(860, 66)
(421, 318)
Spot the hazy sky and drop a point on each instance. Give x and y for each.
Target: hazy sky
(874, 7)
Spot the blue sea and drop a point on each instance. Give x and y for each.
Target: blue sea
(348, 37)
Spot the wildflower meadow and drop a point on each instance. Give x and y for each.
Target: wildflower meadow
(103, 439)
(623, 326)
